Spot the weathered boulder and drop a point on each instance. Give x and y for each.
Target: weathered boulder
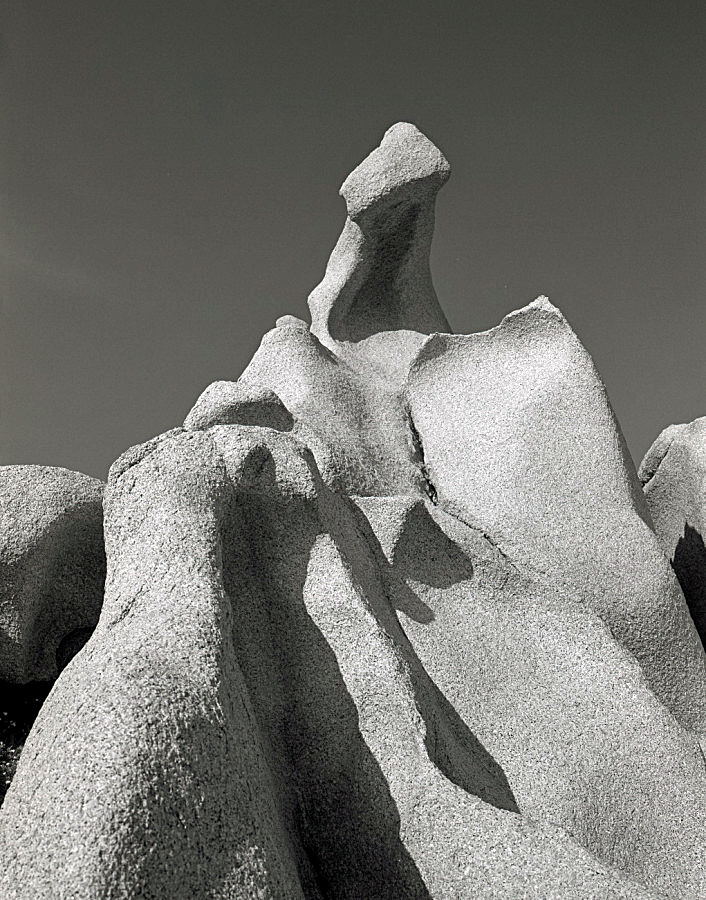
(520, 439)
(160, 787)
(656, 453)
(673, 473)
(238, 403)
(52, 567)
(561, 709)
(249, 719)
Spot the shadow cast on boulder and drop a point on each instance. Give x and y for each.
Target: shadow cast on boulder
(452, 746)
(339, 802)
(689, 564)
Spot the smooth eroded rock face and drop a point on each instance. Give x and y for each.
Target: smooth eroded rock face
(377, 301)
(519, 437)
(559, 707)
(238, 403)
(358, 429)
(387, 617)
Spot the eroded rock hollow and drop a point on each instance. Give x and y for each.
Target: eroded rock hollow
(390, 616)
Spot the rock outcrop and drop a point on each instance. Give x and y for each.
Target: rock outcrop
(238, 403)
(387, 617)
(519, 436)
(52, 566)
(673, 473)
(52, 569)
(377, 300)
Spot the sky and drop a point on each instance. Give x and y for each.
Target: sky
(169, 178)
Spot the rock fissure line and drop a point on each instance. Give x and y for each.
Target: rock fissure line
(419, 461)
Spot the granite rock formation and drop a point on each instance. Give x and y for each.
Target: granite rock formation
(52, 566)
(388, 617)
(52, 569)
(673, 474)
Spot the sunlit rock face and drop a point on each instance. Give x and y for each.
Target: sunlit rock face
(387, 617)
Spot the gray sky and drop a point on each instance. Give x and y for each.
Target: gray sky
(170, 174)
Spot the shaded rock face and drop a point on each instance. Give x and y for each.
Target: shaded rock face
(387, 617)
(673, 474)
(18, 709)
(52, 568)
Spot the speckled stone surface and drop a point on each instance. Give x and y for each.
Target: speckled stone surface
(519, 436)
(238, 403)
(248, 678)
(52, 565)
(673, 473)
(562, 711)
(386, 618)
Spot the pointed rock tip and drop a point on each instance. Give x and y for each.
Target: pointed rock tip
(438, 342)
(291, 322)
(406, 161)
(542, 303)
(691, 439)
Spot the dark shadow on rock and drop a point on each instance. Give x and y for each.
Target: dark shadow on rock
(403, 597)
(70, 645)
(452, 746)
(340, 809)
(689, 564)
(19, 707)
(424, 553)
(387, 245)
